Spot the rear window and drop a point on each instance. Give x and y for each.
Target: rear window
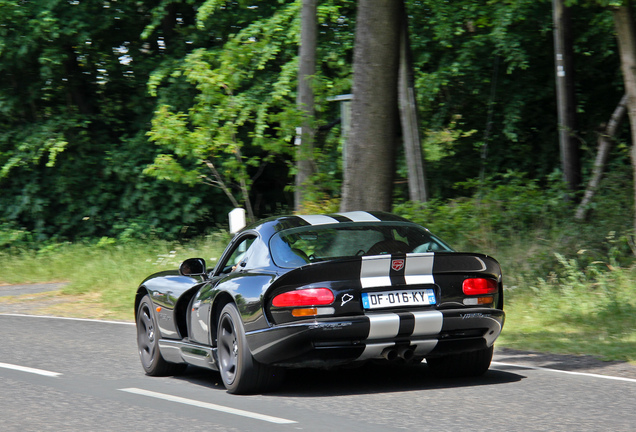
(298, 246)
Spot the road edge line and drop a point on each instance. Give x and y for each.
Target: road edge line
(586, 374)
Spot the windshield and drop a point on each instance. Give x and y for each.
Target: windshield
(298, 246)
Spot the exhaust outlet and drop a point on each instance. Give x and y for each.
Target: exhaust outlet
(390, 354)
(405, 353)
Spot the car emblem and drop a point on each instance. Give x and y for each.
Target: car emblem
(397, 264)
(346, 298)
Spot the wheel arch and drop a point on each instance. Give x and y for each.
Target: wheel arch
(141, 292)
(221, 299)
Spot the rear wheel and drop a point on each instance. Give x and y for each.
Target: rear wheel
(469, 364)
(240, 372)
(148, 343)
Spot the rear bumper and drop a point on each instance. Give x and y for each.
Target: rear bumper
(336, 341)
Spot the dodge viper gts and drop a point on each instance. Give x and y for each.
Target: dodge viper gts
(322, 291)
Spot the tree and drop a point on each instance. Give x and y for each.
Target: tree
(566, 104)
(368, 176)
(226, 136)
(236, 132)
(626, 35)
(305, 99)
(409, 118)
(606, 138)
(74, 112)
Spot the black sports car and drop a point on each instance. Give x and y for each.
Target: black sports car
(322, 291)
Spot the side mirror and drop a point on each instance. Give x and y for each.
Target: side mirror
(193, 267)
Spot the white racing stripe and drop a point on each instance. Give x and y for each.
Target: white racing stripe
(354, 216)
(372, 351)
(360, 216)
(30, 370)
(427, 322)
(207, 405)
(374, 271)
(318, 219)
(418, 268)
(387, 325)
(383, 326)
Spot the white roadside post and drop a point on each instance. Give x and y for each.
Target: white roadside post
(237, 220)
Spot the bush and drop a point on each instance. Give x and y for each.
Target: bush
(502, 207)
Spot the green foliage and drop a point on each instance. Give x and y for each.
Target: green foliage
(92, 95)
(499, 208)
(12, 237)
(242, 118)
(484, 74)
(74, 116)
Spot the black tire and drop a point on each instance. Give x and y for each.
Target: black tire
(469, 364)
(148, 343)
(240, 372)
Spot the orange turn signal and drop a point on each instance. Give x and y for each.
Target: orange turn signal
(305, 312)
(474, 301)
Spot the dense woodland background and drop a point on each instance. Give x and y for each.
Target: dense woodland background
(130, 118)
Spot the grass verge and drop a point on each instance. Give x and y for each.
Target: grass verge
(580, 306)
(102, 278)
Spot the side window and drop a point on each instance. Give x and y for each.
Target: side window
(238, 257)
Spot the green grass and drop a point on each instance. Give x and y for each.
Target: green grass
(107, 271)
(577, 310)
(579, 305)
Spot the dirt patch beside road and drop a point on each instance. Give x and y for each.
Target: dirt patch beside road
(47, 299)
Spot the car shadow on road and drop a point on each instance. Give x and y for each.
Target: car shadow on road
(367, 379)
(378, 378)
(202, 377)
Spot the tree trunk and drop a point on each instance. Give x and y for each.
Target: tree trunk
(409, 120)
(625, 32)
(368, 174)
(605, 140)
(566, 95)
(305, 100)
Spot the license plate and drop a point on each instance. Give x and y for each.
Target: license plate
(386, 299)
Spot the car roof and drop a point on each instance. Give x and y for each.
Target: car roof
(272, 225)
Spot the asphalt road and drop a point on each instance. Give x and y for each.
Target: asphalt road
(74, 375)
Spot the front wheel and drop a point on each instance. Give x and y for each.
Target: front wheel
(148, 343)
(240, 372)
(468, 364)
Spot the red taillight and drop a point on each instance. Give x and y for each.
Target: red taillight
(304, 297)
(479, 286)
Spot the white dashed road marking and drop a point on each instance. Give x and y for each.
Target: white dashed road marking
(208, 405)
(30, 370)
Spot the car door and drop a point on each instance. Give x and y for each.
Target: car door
(231, 266)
